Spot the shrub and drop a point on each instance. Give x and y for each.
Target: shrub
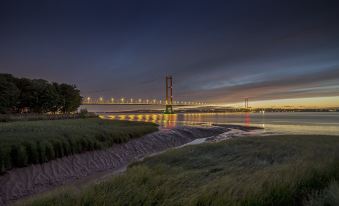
(32, 152)
(83, 113)
(18, 156)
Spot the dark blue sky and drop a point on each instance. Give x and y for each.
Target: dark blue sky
(222, 51)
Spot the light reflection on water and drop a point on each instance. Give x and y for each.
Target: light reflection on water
(290, 123)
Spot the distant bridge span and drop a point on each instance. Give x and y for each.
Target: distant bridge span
(107, 104)
(168, 103)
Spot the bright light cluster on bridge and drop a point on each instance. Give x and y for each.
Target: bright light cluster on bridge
(102, 100)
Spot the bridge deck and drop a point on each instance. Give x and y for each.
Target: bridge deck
(139, 104)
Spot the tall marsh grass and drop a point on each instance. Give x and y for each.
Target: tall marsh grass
(275, 170)
(28, 142)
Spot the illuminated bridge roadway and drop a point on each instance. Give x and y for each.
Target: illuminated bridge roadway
(123, 101)
(168, 102)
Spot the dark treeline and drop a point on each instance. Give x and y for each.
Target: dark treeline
(22, 95)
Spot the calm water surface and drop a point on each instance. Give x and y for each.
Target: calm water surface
(286, 123)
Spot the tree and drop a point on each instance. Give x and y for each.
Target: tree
(27, 94)
(9, 93)
(45, 95)
(70, 97)
(58, 100)
(37, 95)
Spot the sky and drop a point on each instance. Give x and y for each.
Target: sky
(279, 52)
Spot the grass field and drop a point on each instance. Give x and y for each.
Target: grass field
(28, 142)
(276, 170)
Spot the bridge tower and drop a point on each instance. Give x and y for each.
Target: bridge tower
(169, 95)
(246, 103)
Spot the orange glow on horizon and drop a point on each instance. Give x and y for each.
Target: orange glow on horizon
(312, 102)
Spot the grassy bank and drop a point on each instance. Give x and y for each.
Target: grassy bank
(28, 142)
(277, 170)
(35, 117)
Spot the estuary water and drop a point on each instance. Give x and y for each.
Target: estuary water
(326, 123)
(318, 123)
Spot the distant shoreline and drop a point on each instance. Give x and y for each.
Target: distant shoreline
(218, 111)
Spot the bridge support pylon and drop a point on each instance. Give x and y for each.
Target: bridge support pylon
(169, 95)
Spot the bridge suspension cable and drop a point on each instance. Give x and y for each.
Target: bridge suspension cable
(167, 102)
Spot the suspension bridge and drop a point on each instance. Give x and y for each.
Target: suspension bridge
(168, 102)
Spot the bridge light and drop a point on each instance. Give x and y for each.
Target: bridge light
(154, 101)
(147, 101)
(101, 99)
(160, 101)
(88, 99)
(139, 100)
(131, 100)
(112, 99)
(122, 100)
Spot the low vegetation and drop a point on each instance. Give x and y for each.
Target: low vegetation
(36, 116)
(28, 142)
(276, 170)
(329, 196)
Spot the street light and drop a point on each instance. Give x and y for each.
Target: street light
(112, 99)
(88, 99)
(122, 100)
(131, 100)
(139, 100)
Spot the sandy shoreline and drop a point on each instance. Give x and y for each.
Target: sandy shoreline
(24, 182)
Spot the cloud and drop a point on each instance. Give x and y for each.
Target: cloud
(312, 84)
